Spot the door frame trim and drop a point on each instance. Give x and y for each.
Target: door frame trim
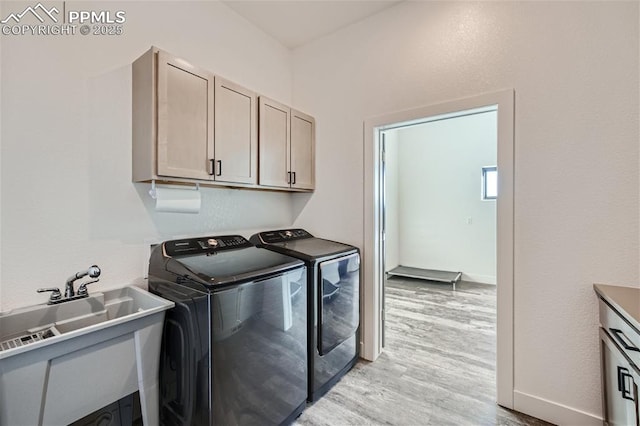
(371, 330)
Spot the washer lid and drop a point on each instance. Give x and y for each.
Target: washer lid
(313, 248)
(232, 266)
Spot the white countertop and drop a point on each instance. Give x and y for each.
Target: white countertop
(626, 300)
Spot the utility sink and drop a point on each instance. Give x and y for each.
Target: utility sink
(61, 362)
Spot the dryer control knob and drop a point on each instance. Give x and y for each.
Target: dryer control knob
(212, 242)
(288, 234)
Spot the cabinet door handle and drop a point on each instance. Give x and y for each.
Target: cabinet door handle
(212, 167)
(623, 375)
(294, 178)
(219, 168)
(289, 178)
(624, 340)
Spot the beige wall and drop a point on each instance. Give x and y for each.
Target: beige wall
(67, 197)
(574, 68)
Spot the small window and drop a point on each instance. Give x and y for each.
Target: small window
(489, 183)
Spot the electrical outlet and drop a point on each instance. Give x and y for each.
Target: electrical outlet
(469, 221)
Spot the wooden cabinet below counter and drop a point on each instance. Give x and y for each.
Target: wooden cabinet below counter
(619, 353)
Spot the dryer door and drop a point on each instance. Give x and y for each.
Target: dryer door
(338, 300)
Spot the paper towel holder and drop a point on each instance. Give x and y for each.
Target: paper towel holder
(154, 194)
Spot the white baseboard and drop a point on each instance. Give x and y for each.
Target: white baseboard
(553, 412)
(482, 279)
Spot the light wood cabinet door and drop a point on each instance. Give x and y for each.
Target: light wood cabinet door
(620, 381)
(274, 143)
(236, 139)
(185, 119)
(191, 125)
(302, 166)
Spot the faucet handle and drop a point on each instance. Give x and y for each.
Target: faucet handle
(82, 290)
(55, 292)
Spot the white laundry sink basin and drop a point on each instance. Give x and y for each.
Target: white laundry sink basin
(61, 362)
(18, 327)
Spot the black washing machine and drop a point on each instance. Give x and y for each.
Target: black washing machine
(333, 287)
(234, 348)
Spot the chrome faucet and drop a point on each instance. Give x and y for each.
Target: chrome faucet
(69, 293)
(93, 272)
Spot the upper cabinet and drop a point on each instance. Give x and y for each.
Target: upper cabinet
(185, 138)
(190, 125)
(287, 147)
(275, 119)
(236, 135)
(303, 145)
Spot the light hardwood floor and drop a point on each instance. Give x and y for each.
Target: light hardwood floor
(438, 366)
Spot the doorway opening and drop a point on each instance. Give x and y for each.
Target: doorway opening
(439, 179)
(374, 218)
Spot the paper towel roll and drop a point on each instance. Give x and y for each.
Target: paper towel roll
(177, 200)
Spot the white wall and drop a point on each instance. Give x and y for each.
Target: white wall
(574, 68)
(440, 165)
(66, 192)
